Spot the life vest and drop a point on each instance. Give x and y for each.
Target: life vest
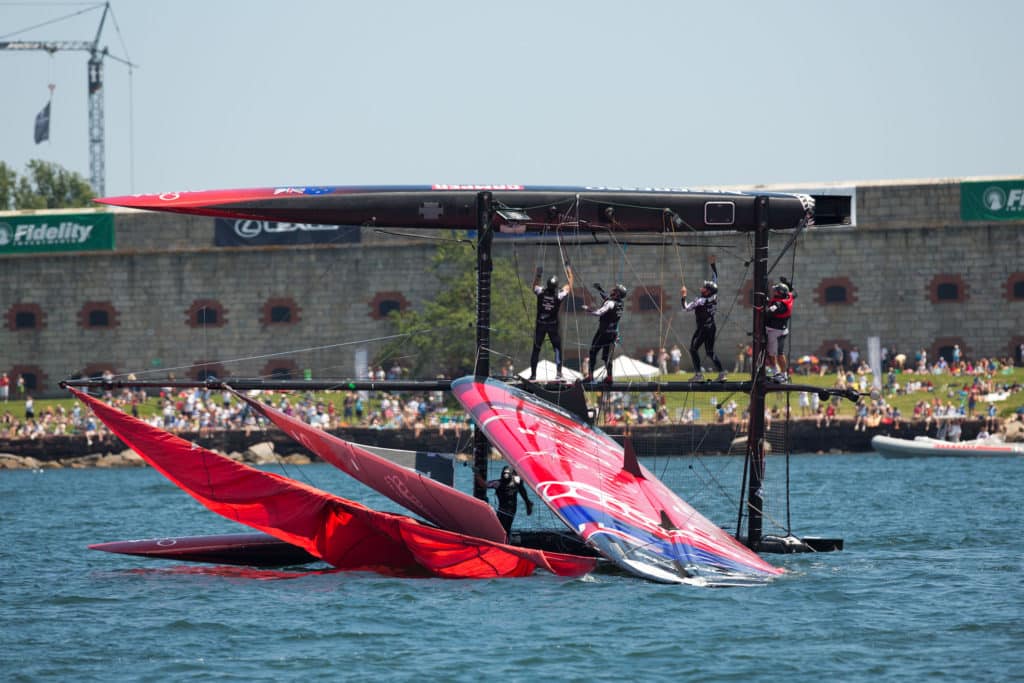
(787, 306)
(779, 311)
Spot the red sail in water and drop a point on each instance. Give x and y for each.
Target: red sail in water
(345, 534)
(436, 502)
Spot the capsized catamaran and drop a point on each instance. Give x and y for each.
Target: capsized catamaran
(594, 485)
(343, 533)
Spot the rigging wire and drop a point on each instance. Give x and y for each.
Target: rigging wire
(90, 8)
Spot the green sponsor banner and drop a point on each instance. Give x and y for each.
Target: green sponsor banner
(996, 200)
(56, 232)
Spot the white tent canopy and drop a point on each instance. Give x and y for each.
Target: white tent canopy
(623, 367)
(546, 372)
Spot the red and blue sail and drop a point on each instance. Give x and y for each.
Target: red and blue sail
(599, 490)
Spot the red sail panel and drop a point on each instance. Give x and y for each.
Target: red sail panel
(341, 532)
(438, 503)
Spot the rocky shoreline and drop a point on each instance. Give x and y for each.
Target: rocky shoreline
(261, 453)
(261, 447)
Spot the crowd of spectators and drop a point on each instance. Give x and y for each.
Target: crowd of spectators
(202, 410)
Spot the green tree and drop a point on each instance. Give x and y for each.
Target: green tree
(8, 184)
(441, 338)
(45, 185)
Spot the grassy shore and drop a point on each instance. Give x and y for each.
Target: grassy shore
(947, 388)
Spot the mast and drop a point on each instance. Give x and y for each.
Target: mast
(484, 266)
(755, 431)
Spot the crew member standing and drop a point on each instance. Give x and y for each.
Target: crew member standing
(778, 313)
(609, 314)
(549, 303)
(507, 488)
(704, 308)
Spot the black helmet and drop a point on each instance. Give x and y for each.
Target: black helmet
(506, 472)
(781, 289)
(552, 282)
(711, 286)
(619, 291)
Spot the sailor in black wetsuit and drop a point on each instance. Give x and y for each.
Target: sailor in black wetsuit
(549, 303)
(506, 490)
(610, 313)
(704, 308)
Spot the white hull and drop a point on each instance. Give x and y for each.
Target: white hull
(927, 447)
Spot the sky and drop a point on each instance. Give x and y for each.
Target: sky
(252, 93)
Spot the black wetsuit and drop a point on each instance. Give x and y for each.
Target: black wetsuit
(549, 303)
(607, 334)
(507, 492)
(704, 310)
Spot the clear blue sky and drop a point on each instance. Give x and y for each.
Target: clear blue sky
(233, 93)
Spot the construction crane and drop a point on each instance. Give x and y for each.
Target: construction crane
(97, 145)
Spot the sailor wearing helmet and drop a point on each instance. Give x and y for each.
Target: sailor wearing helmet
(549, 303)
(609, 315)
(704, 308)
(778, 312)
(506, 489)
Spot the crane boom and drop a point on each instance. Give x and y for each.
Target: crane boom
(50, 46)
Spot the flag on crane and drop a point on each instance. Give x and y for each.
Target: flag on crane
(43, 124)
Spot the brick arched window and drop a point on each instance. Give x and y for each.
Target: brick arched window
(1017, 351)
(97, 370)
(204, 313)
(1015, 287)
(35, 379)
(826, 352)
(98, 315)
(835, 291)
(747, 295)
(281, 311)
(203, 370)
(947, 288)
(21, 317)
(943, 347)
(577, 299)
(648, 299)
(384, 303)
(281, 368)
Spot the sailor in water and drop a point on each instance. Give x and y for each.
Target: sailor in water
(506, 490)
(778, 313)
(549, 303)
(609, 314)
(704, 308)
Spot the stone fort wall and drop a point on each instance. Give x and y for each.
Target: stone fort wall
(286, 309)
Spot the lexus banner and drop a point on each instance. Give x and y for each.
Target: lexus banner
(230, 232)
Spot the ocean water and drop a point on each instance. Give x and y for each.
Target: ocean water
(929, 587)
